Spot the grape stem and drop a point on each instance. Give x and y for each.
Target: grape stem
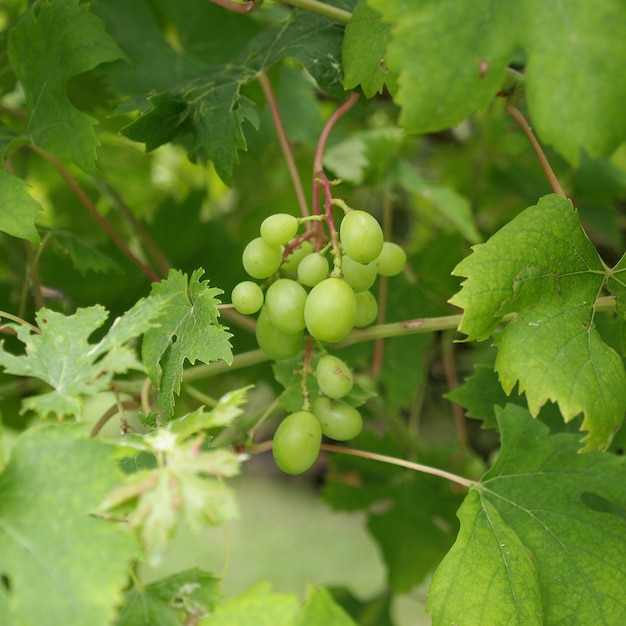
(417, 467)
(334, 13)
(239, 7)
(270, 97)
(545, 164)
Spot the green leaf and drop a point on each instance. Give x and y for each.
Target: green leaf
(617, 286)
(537, 545)
(188, 330)
(18, 209)
(48, 540)
(210, 109)
(52, 43)
(451, 59)
(258, 606)
(543, 267)
(62, 356)
(320, 609)
(85, 257)
(177, 599)
(365, 51)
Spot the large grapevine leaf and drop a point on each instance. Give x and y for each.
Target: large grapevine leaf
(53, 42)
(451, 58)
(542, 267)
(210, 109)
(49, 542)
(61, 355)
(188, 330)
(18, 209)
(538, 542)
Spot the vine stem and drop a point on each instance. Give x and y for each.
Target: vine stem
(19, 320)
(270, 97)
(239, 7)
(89, 205)
(321, 8)
(545, 164)
(109, 413)
(391, 460)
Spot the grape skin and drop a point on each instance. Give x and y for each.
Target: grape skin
(330, 310)
(284, 303)
(339, 420)
(279, 228)
(275, 343)
(391, 260)
(313, 269)
(297, 442)
(360, 276)
(247, 297)
(361, 236)
(366, 309)
(261, 259)
(334, 377)
(296, 255)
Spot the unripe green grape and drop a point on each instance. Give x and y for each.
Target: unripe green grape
(339, 420)
(360, 276)
(279, 228)
(334, 377)
(361, 236)
(247, 297)
(284, 303)
(275, 343)
(296, 444)
(366, 309)
(330, 310)
(261, 259)
(313, 269)
(391, 260)
(293, 260)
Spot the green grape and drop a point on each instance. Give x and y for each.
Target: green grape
(293, 260)
(279, 228)
(360, 276)
(296, 444)
(339, 420)
(284, 303)
(330, 310)
(313, 269)
(275, 343)
(361, 236)
(247, 297)
(391, 260)
(366, 309)
(261, 259)
(334, 377)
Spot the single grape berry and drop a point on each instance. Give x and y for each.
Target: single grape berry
(366, 309)
(275, 343)
(296, 444)
(334, 377)
(313, 269)
(330, 310)
(278, 229)
(360, 276)
(284, 303)
(297, 254)
(339, 420)
(361, 236)
(261, 259)
(247, 297)
(391, 260)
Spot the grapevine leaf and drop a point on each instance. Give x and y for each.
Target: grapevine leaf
(19, 209)
(188, 329)
(258, 606)
(451, 59)
(320, 609)
(617, 285)
(48, 540)
(84, 257)
(365, 50)
(62, 356)
(210, 109)
(53, 42)
(543, 267)
(171, 601)
(539, 541)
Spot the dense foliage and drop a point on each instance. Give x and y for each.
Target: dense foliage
(397, 226)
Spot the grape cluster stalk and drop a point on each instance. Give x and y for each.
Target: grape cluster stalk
(317, 285)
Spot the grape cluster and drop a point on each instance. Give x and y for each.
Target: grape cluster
(323, 290)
